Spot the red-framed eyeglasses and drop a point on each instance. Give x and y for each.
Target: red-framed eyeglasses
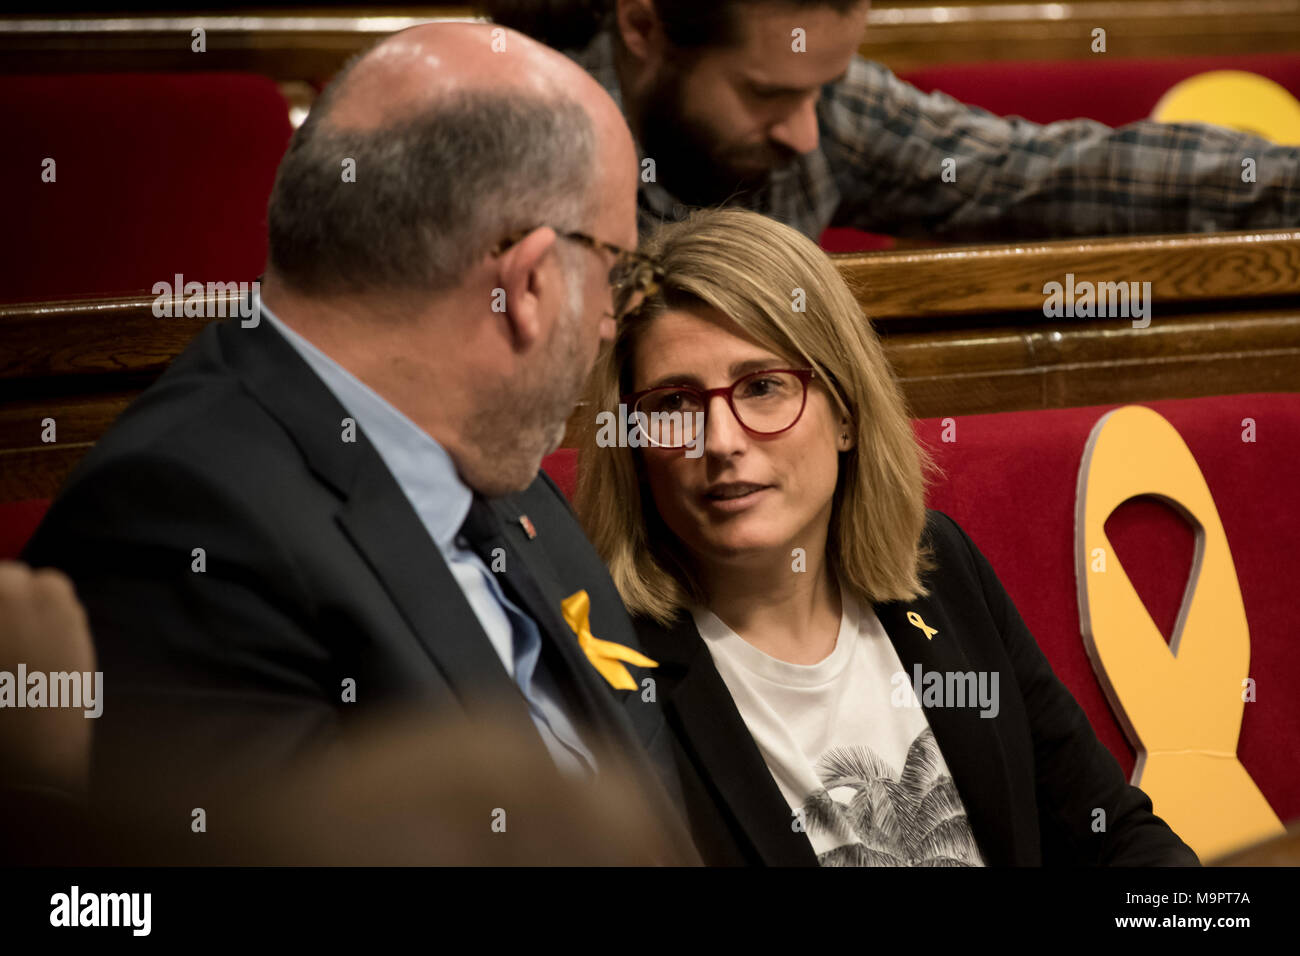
(765, 403)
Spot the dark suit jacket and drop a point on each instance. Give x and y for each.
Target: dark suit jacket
(1030, 777)
(317, 570)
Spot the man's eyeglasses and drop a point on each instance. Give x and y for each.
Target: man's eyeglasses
(765, 403)
(633, 276)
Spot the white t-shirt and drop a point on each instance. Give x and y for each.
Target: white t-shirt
(872, 785)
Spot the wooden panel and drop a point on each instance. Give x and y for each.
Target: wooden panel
(299, 45)
(37, 472)
(959, 280)
(79, 418)
(1058, 365)
(313, 44)
(90, 337)
(952, 285)
(963, 328)
(30, 468)
(906, 36)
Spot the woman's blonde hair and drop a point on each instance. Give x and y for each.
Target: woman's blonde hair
(785, 293)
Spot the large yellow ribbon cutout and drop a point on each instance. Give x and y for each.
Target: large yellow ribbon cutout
(1236, 99)
(605, 656)
(1179, 703)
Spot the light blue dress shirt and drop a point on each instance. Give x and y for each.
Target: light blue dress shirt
(428, 478)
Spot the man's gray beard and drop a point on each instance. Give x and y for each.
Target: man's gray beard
(527, 421)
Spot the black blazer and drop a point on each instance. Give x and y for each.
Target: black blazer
(317, 570)
(1030, 777)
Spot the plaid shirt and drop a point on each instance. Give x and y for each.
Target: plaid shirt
(882, 144)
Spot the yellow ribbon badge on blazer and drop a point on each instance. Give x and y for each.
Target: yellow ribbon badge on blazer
(605, 656)
(916, 621)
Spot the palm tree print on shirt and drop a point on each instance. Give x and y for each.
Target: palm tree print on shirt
(916, 819)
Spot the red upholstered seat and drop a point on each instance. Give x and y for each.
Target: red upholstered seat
(853, 240)
(1010, 482)
(155, 174)
(18, 521)
(1114, 91)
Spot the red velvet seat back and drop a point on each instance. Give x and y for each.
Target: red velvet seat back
(1113, 91)
(156, 174)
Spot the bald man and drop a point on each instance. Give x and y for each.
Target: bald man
(334, 507)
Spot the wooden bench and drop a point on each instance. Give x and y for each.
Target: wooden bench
(310, 44)
(905, 35)
(963, 326)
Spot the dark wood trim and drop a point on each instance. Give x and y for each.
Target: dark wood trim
(31, 469)
(121, 335)
(299, 45)
(285, 45)
(89, 337)
(1060, 365)
(907, 36)
(966, 280)
(962, 327)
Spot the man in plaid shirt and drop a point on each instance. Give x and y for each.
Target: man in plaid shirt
(730, 113)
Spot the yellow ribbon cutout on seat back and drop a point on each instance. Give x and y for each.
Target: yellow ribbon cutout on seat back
(605, 656)
(1180, 703)
(1236, 99)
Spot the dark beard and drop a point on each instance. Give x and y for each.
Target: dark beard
(689, 161)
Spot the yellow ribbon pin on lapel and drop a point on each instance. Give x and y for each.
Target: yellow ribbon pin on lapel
(605, 656)
(915, 620)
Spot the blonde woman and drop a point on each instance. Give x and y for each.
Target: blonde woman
(844, 679)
